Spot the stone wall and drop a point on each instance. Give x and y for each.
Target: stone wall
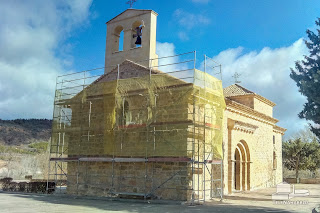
(278, 151)
(262, 107)
(260, 146)
(100, 126)
(166, 180)
(255, 103)
(247, 100)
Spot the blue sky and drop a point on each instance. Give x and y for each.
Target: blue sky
(227, 24)
(260, 39)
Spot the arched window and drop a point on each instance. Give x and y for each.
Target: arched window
(125, 116)
(66, 115)
(121, 41)
(118, 39)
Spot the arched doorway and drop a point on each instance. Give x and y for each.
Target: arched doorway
(237, 168)
(241, 167)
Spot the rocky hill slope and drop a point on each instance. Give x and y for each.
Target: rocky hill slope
(24, 131)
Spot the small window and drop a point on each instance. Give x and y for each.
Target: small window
(274, 139)
(274, 160)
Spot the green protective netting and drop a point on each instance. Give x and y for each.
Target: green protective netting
(149, 116)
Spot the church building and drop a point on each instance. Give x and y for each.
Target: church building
(159, 128)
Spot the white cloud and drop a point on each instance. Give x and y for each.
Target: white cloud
(187, 21)
(267, 73)
(190, 20)
(176, 62)
(32, 34)
(163, 51)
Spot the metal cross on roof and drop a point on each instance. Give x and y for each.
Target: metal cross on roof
(236, 76)
(131, 2)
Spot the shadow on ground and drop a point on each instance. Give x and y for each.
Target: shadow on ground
(90, 204)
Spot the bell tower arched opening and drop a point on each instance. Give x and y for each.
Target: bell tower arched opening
(137, 28)
(118, 39)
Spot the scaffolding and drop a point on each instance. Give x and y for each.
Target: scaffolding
(153, 132)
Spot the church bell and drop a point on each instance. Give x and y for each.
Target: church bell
(138, 41)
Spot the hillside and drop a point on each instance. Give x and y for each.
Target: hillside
(24, 131)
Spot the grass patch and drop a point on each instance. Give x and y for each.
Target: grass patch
(39, 147)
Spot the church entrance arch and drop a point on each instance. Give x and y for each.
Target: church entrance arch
(241, 167)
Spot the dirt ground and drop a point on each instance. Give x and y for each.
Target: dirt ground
(254, 201)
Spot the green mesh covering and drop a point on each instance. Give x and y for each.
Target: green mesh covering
(148, 116)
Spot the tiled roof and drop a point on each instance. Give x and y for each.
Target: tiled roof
(140, 71)
(235, 90)
(128, 65)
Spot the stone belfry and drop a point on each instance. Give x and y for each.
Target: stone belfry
(135, 24)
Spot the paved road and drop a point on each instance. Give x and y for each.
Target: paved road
(25, 203)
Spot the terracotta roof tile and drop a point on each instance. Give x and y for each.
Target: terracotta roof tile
(235, 90)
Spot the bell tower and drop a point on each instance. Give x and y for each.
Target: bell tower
(136, 31)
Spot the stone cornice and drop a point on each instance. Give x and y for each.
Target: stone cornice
(241, 109)
(242, 126)
(279, 129)
(263, 99)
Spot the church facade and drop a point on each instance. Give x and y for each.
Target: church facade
(252, 141)
(138, 131)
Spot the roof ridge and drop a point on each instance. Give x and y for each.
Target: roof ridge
(249, 91)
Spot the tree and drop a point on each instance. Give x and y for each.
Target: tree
(307, 77)
(305, 135)
(301, 155)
